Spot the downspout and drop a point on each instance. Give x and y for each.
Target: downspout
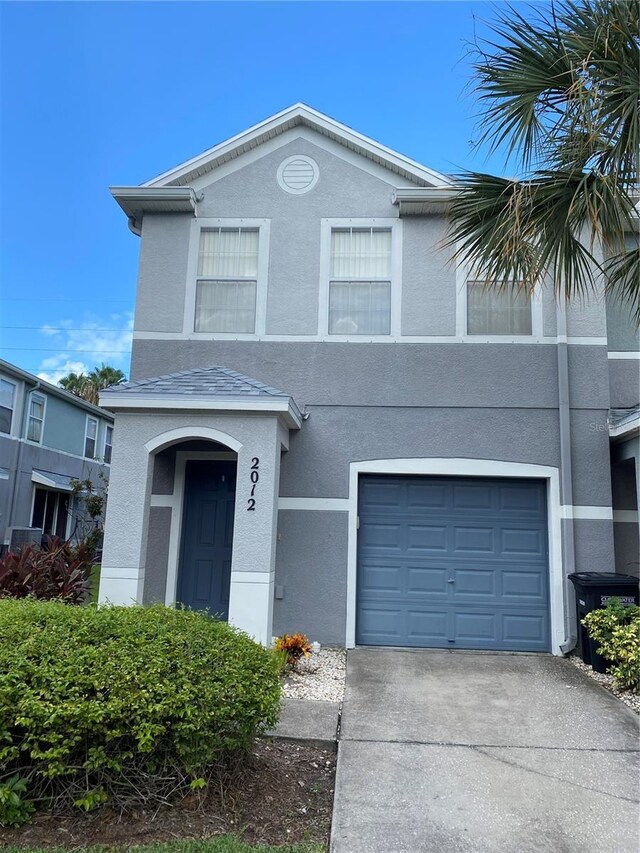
(566, 474)
(21, 441)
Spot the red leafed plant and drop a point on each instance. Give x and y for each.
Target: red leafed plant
(295, 645)
(57, 570)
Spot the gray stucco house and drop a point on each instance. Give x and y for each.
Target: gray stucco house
(48, 437)
(333, 428)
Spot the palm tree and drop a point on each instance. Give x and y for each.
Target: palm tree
(561, 91)
(88, 386)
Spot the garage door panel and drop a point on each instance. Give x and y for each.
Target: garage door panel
(519, 497)
(426, 538)
(427, 494)
(475, 626)
(427, 627)
(452, 563)
(521, 628)
(522, 541)
(476, 582)
(429, 580)
(386, 537)
(473, 540)
(523, 585)
(472, 496)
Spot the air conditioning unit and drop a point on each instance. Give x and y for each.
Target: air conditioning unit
(18, 537)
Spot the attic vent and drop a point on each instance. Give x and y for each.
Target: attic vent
(298, 175)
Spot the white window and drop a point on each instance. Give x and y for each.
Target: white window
(36, 417)
(108, 444)
(360, 281)
(7, 405)
(90, 436)
(227, 280)
(497, 312)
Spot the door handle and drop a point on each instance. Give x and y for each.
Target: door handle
(451, 581)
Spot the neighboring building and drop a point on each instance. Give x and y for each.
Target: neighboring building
(437, 457)
(47, 438)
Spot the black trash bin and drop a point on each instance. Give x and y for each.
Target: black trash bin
(593, 591)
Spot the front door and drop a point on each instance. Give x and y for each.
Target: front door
(207, 536)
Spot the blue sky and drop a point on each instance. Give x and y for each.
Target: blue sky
(99, 94)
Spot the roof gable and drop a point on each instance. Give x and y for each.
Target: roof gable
(295, 116)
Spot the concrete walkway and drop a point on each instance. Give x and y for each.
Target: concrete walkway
(308, 721)
(451, 751)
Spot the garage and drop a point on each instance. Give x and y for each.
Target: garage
(452, 562)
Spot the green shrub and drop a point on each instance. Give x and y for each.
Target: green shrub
(125, 704)
(616, 628)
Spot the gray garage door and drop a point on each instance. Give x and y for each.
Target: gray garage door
(448, 562)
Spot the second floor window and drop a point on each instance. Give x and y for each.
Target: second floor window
(108, 444)
(7, 405)
(227, 280)
(36, 418)
(497, 312)
(360, 281)
(90, 436)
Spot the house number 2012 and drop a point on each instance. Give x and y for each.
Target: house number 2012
(254, 476)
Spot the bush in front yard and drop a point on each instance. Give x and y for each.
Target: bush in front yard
(616, 628)
(59, 570)
(126, 705)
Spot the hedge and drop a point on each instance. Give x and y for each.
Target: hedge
(124, 704)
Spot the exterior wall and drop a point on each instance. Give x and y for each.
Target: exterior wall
(446, 397)
(133, 537)
(64, 426)
(61, 450)
(16, 493)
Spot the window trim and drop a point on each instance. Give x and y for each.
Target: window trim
(201, 224)
(35, 395)
(395, 307)
(58, 494)
(15, 404)
(86, 436)
(107, 427)
(464, 274)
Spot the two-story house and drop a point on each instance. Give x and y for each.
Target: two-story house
(343, 432)
(48, 437)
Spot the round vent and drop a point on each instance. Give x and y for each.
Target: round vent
(298, 174)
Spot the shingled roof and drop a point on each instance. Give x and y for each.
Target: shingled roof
(218, 386)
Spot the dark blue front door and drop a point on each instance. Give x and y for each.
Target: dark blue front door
(207, 536)
(453, 562)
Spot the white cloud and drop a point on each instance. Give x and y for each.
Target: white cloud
(95, 344)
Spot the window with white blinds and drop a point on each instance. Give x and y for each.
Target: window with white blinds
(360, 281)
(227, 280)
(36, 418)
(497, 312)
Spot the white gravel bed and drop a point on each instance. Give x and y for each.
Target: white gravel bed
(608, 682)
(320, 676)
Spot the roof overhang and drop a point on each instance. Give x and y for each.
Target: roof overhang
(284, 407)
(60, 482)
(299, 115)
(136, 201)
(421, 201)
(626, 428)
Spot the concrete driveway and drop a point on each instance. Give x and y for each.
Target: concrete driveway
(461, 751)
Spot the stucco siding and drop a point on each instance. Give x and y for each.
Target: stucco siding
(343, 190)
(594, 545)
(311, 567)
(155, 579)
(428, 278)
(624, 382)
(162, 276)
